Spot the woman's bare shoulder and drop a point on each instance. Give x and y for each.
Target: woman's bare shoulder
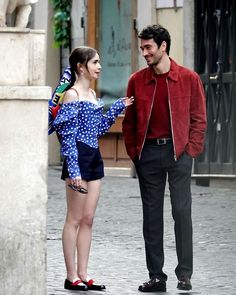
(70, 95)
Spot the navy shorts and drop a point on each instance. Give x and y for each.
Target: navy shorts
(90, 163)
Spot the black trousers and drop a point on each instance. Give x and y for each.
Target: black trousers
(156, 163)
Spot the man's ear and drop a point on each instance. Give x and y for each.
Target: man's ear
(163, 45)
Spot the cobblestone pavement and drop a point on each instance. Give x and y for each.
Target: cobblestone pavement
(117, 255)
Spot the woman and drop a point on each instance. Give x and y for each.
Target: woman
(79, 123)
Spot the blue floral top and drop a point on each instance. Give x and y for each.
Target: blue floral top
(83, 121)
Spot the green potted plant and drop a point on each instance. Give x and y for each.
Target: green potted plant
(62, 23)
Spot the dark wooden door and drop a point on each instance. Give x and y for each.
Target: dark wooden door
(215, 61)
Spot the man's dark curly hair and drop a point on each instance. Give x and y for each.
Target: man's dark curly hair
(158, 34)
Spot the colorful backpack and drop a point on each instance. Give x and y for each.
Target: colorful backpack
(55, 102)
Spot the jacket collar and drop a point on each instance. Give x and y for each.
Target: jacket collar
(173, 73)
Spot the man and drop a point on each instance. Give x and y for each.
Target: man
(163, 131)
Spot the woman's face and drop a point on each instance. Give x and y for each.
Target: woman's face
(94, 67)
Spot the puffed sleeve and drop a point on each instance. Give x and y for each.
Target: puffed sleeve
(66, 125)
(109, 118)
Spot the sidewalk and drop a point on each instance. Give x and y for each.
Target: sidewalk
(117, 256)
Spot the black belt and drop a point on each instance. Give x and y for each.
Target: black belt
(158, 141)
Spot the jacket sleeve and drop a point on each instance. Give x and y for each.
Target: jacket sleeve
(198, 119)
(66, 125)
(109, 118)
(129, 124)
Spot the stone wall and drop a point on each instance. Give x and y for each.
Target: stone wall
(23, 162)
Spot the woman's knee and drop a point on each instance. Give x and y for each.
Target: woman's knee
(79, 221)
(73, 221)
(87, 220)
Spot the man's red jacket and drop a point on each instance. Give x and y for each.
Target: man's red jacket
(187, 105)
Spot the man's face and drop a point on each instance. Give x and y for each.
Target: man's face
(151, 52)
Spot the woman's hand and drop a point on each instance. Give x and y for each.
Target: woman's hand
(77, 182)
(128, 100)
(76, 185)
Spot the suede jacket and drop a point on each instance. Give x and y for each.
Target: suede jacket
(187, 106)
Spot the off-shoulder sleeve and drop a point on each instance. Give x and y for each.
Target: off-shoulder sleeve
(66, 125)
(109, 118)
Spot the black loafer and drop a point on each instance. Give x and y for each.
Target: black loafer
(77, 285)
(154, 285)
(184, 284)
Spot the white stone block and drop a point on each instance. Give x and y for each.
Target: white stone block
(23, 190)
(22, 57)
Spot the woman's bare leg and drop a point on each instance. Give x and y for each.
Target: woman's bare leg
(75, 208)
(85, 229)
